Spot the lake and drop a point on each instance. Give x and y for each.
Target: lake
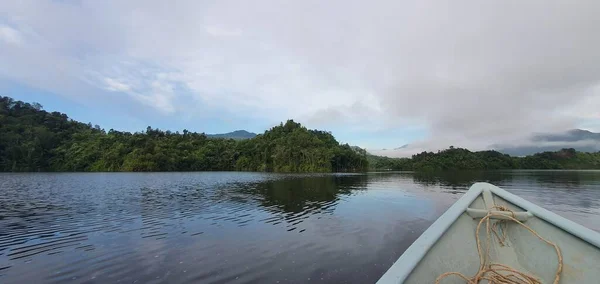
(236, 227)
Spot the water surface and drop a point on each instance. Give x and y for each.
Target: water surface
(242, 227)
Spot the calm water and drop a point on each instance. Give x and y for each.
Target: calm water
(241, 227)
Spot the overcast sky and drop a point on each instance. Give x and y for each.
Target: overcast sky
(378, 74)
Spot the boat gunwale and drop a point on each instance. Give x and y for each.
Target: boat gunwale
(407, 262)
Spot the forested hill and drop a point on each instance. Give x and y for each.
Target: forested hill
(32, 139)
(463, 159)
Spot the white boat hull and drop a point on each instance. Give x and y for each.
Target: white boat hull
(449, 244)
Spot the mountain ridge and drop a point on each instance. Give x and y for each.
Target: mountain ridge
(237, 135)
(578, 139)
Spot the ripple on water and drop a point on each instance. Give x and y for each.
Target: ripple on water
(237, 227)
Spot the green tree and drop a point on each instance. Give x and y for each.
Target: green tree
(35, 140)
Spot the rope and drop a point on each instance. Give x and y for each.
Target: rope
(492, 271)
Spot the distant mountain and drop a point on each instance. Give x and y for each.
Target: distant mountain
(580, 140)
(569, 136)
(238, 135)
(401, 147)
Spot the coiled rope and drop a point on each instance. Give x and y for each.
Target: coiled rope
(496, 273)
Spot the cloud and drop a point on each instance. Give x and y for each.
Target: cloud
(156, 91)
(221, 32)
(10, 35)
(159, 97)
(116, 86)
(471, 73)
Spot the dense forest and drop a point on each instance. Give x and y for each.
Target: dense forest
(463, 159)
(32, 139)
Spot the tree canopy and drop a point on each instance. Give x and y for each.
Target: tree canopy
(463, 159)
(32, 139)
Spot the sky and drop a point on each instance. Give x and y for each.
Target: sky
(377, 74)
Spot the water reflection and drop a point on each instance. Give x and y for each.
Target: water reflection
(296, 195)
(240, 227)
(550, 179)
(459, 179)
